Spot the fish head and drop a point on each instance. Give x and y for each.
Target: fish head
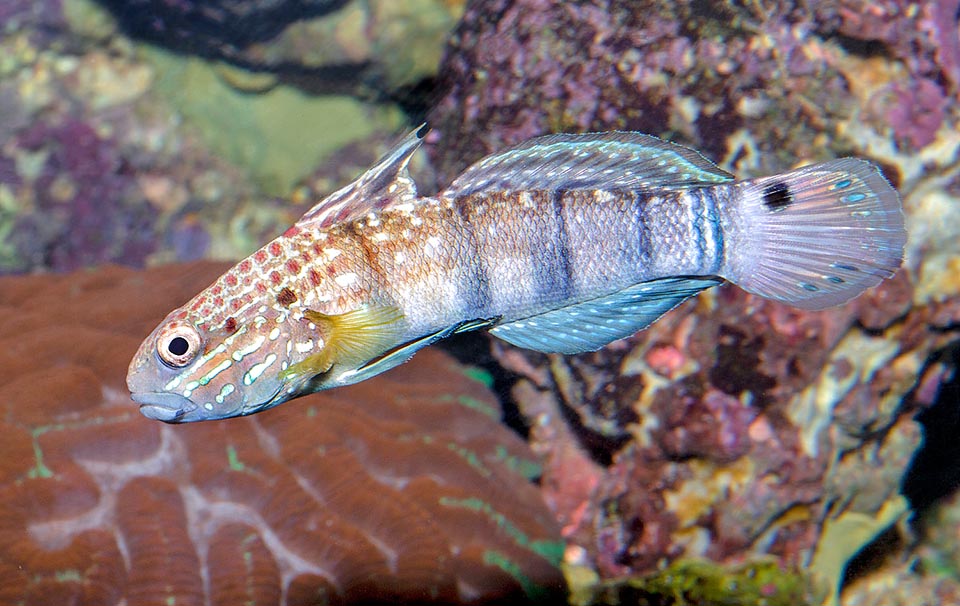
(186, 370)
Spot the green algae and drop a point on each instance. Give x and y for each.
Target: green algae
(552, 551)
(40, 470)
(702, 583)
(479, 375)
(471, 457)
(531, 589)
(278, 136)
(233, 460)
(479, 406)
(527, 468)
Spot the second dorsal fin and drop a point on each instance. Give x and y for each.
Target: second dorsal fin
(387, 182)
(612, 161)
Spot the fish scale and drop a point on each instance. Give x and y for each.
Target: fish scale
(561, 244)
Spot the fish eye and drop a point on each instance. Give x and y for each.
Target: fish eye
(178, 346)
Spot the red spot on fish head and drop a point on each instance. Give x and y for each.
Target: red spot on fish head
(276, 278)
(236, 303)
(292, 231)
(216, 290)
(230, 280)
(275, 249)
(317, 248)
(293, 267)
(261, 288)
(314, 277)
(244, 266)
(260, 256)
(218, 301)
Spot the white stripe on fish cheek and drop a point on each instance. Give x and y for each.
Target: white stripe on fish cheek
(225, 391)
(189, 387)
(230, 340)
(258, 369)
(245, 351)
(304, 347)
(222, 366)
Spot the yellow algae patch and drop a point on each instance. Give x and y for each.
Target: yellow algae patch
(934, 228)
(710, 483)
(843, 537)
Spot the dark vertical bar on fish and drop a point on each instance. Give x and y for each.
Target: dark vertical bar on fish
(561, 244)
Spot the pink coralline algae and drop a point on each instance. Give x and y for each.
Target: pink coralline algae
(86, 207)
(925, 36)
(402, 490)
(696, 73)
(732, 428)
(914, 111)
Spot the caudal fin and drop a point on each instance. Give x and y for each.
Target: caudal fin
(817, 236)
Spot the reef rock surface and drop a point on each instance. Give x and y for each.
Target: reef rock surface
(734, 428)
(401, 489)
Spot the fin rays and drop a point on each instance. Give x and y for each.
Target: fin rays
(835, 230)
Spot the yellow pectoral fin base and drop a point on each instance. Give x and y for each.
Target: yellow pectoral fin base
(350, 339)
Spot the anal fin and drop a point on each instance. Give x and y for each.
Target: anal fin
(590, 325)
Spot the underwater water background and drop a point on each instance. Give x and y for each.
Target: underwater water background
(737, 452)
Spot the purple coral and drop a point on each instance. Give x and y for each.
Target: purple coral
(914, 111)
(87, 209)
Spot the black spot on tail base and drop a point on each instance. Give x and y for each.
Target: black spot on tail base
(777, 196)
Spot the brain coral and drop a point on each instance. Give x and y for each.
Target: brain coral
(405, 488)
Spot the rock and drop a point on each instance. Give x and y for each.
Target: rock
(379, 45)
(733, 429)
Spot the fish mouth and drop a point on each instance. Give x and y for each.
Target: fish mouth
(163, 406)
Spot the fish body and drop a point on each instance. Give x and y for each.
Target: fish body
(561, 244)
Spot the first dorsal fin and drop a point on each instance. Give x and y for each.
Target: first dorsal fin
(613, 160)
(386, 182)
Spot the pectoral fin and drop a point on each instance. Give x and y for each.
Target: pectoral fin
(349, 339)
(405, 352)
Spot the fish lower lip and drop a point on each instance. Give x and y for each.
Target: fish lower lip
(168, 407)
